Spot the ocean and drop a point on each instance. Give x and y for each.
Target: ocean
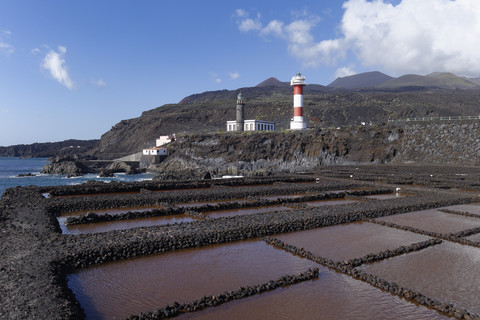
(10, 168)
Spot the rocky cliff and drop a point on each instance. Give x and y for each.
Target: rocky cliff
(260, 153)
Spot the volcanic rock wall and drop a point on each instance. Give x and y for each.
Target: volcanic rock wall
(433, 142)
(446, 142)
(260, 152)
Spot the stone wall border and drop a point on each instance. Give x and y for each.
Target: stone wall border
(176, 308)
(405, 293)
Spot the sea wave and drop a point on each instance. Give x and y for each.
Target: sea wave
(34, 175)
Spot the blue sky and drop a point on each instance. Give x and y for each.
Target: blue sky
(72, 69)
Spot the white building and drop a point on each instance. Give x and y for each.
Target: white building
(248, 125)
(155, 152)
(252, 125)
(164, 140)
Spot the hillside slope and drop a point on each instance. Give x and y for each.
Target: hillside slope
(362, 80)
(321, 110)
(273, 82)
(49, 149)
(433, 80)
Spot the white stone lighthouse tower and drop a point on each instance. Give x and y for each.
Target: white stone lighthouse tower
(297, 123)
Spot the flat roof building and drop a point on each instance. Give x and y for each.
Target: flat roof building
(252, 125)
(247, 125)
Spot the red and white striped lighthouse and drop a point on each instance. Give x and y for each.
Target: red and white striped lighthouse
(297, 123)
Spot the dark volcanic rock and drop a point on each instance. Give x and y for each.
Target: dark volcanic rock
(105, 173)
(120, 166)
(179, 169)
(26, 175)
(69, 166)
(264, 153)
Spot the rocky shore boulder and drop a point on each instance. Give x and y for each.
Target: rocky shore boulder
(70, 166)
(180, 169)
(120, 166)
(104, 173)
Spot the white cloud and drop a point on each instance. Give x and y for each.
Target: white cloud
(215, 77)
(415, 36)
(344, 72)
(249, 24)
(297, 34)
(234, 75)
(245, 23)
(36, 51)
(407, 36)
(98, 83)
(241, 13)
(5, 48)
(273, 27)
(55, 63)
(4, 110)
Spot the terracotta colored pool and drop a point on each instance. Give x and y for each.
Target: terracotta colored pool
(109, 211)
(332, 296)
(245, 211)
(332, 202)
(472, 208)
(387, 196)
(434, 221)
(119, 289)
(348, 241)
(212, 203)
(474, 237)
(121, 224)
(286, 196)
(447, 272)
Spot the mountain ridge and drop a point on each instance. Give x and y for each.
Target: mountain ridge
(432, 80)
(361, 80)
(273, 82)
(49, 149)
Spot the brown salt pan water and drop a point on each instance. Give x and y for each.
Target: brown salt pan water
(109, 211)
(353, 240)
(474, 237)
(286, 196)
(332, 296)
(212, 203)
(128, 192)
(387, 196)
(448, 272)
(122, 224)
(240, 212)
(471, 208)
(434, 221)
(116, 290)
(333, 202)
